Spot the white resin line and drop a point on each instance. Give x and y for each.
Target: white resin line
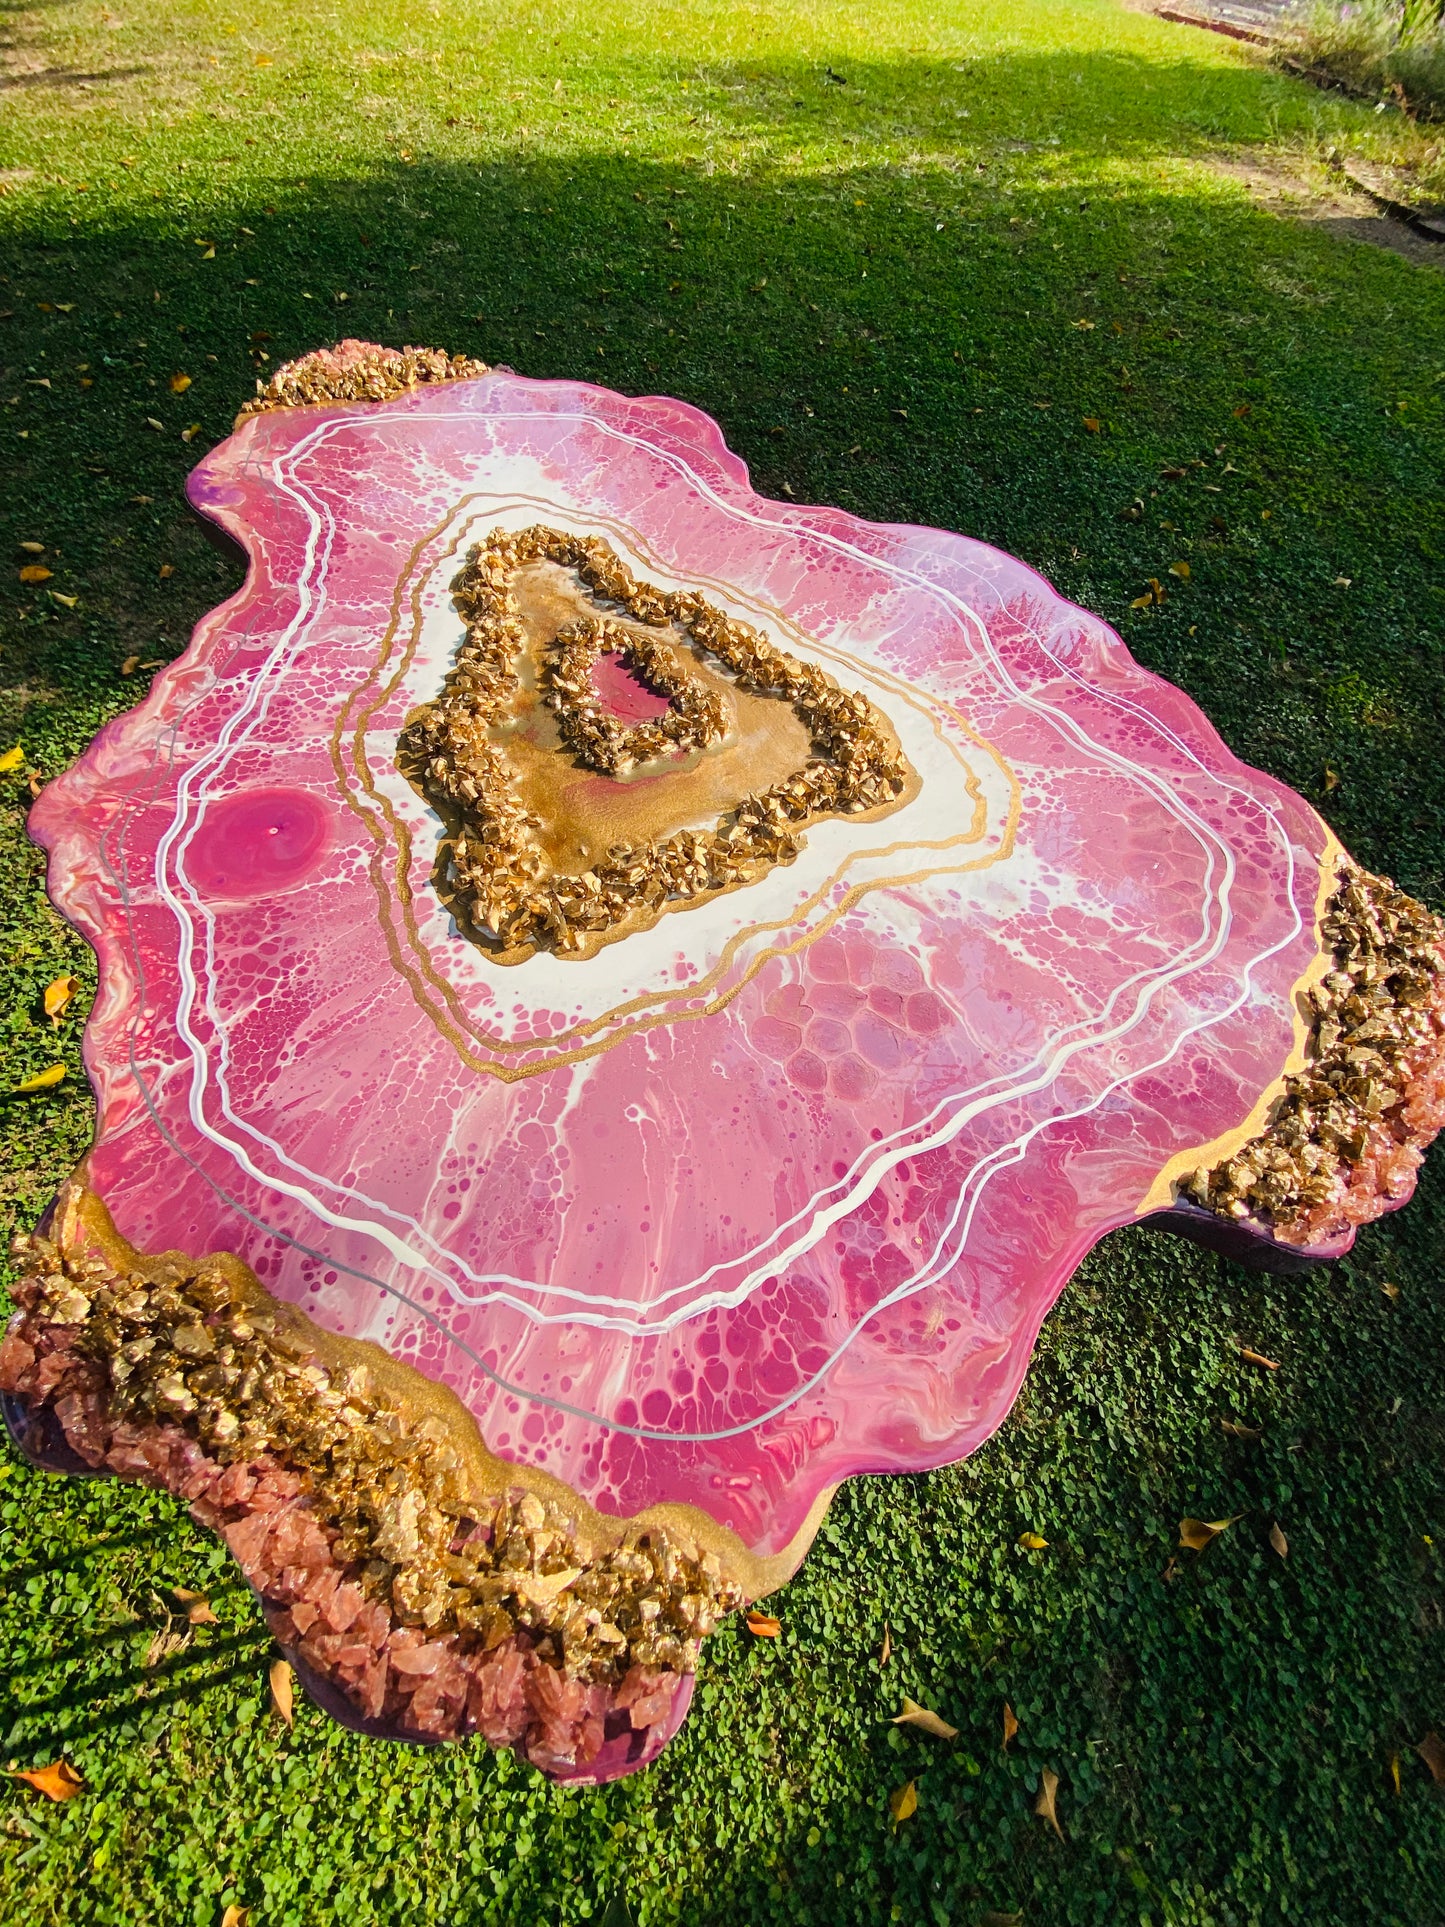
(872, 1162)
(875, 1169)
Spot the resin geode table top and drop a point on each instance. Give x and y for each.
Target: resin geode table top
(768, 1173)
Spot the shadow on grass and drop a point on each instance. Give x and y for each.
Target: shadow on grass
(916, 343)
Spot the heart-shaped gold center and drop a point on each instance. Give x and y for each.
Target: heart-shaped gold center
(570, 825)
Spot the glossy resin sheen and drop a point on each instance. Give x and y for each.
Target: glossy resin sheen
(778, 1190)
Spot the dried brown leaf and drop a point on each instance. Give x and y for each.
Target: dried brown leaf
(198, 1607)
(1199, 1533)
(904, 1803)
(887, 1653)
(763, 1625)
(1432, 1751)
(58, 1781)
(164, 1645)
(130, 665)
(1010, 1724)
(1092, 424)
(1238, 1431)
(915, 1715)
(1278, 1541)
(1253, 1357)
(281, 1696)
(1046, 1806)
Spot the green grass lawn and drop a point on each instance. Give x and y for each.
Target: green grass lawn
(901, 261)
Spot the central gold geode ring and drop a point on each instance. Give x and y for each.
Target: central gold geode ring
(695, 718)
(514, 883)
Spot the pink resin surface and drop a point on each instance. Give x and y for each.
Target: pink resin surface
(772, 1193)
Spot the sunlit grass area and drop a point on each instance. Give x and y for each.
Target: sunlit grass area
(999, 271)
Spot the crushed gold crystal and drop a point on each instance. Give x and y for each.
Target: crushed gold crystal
(494, 871)
(358, 371)
(203, 1348)
(1345, 1136)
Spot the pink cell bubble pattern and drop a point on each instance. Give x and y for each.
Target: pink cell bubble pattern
(777, 1191)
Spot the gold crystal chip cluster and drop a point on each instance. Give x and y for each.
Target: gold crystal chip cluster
(357, 371)
(494, 871)
(202, 1347)
(1370, 1014)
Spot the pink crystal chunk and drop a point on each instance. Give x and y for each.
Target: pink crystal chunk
(778, 1190)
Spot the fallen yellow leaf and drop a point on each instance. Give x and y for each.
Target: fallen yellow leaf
(235, 1916)
(1181, 569)
(36, 572)
(1031, 1542)
(1343, 581)
(280, 1680)
(1332, 778)
(904, 1803)
(1432, 1751)
(59, 1781)
(12, 759)
(1010, 1724)
(1395, 1771)
(33, 548)
(190, 434)
(1086, 325)
(1092, 424)
(887, 1653)
(130, 665)
(65, 601)
(1238, 1431)
(1390, 1291)
(167, 569)
(1278, 1541)
(179, 384)
(42, 1080)
(1046, 1806)
(763, 1625)
(1199, 1533)
(151, 422)
(915, 1715)
(58, 994)
(1242, 410)
(263, 60)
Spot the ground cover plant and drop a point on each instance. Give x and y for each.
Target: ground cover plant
(999, 272)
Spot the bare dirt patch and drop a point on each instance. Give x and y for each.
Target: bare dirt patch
(1310, 194)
